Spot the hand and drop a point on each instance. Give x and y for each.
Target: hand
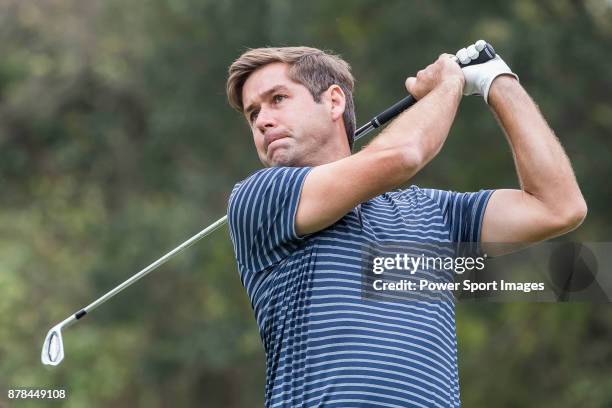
(479, 77)
(442, 70)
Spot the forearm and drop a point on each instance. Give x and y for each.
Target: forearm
(542, 166)
(420, 131)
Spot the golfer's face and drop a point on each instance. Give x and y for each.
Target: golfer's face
(288, 126)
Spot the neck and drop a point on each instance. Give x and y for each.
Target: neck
(331, 153)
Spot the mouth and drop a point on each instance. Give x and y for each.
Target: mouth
(277, 143)
(272, 140)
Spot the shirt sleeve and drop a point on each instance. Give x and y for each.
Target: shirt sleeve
(261, 216)
(463, 213)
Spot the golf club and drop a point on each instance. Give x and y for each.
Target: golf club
(53, 348)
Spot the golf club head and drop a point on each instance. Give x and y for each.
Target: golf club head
(53, 347)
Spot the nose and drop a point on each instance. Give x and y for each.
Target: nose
(265, 120)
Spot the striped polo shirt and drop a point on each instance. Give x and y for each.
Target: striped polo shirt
(327, 345)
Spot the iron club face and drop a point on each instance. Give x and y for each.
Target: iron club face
(53, 348)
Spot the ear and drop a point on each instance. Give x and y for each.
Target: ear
(337, 101)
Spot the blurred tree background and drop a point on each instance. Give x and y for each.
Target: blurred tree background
(116, 144)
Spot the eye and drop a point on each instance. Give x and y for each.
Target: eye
(253, 115)
(278, 98)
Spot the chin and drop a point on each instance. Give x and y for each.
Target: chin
(283, 158)
(284, 162)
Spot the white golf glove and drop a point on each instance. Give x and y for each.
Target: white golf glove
(479, 77)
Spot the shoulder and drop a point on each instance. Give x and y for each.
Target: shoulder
(268, 178)
(267, 190)
(257, 177)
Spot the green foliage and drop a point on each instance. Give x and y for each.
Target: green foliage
(116, 144)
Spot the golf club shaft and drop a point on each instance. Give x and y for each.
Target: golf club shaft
(206, 231)
(379, 120)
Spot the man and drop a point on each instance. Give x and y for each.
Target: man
(299, 225)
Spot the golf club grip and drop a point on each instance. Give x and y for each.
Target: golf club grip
(486, 54)
(393, 111)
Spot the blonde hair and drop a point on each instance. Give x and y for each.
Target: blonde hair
(311, 67)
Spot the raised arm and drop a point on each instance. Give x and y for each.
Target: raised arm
(549, 202)
(332, 190)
